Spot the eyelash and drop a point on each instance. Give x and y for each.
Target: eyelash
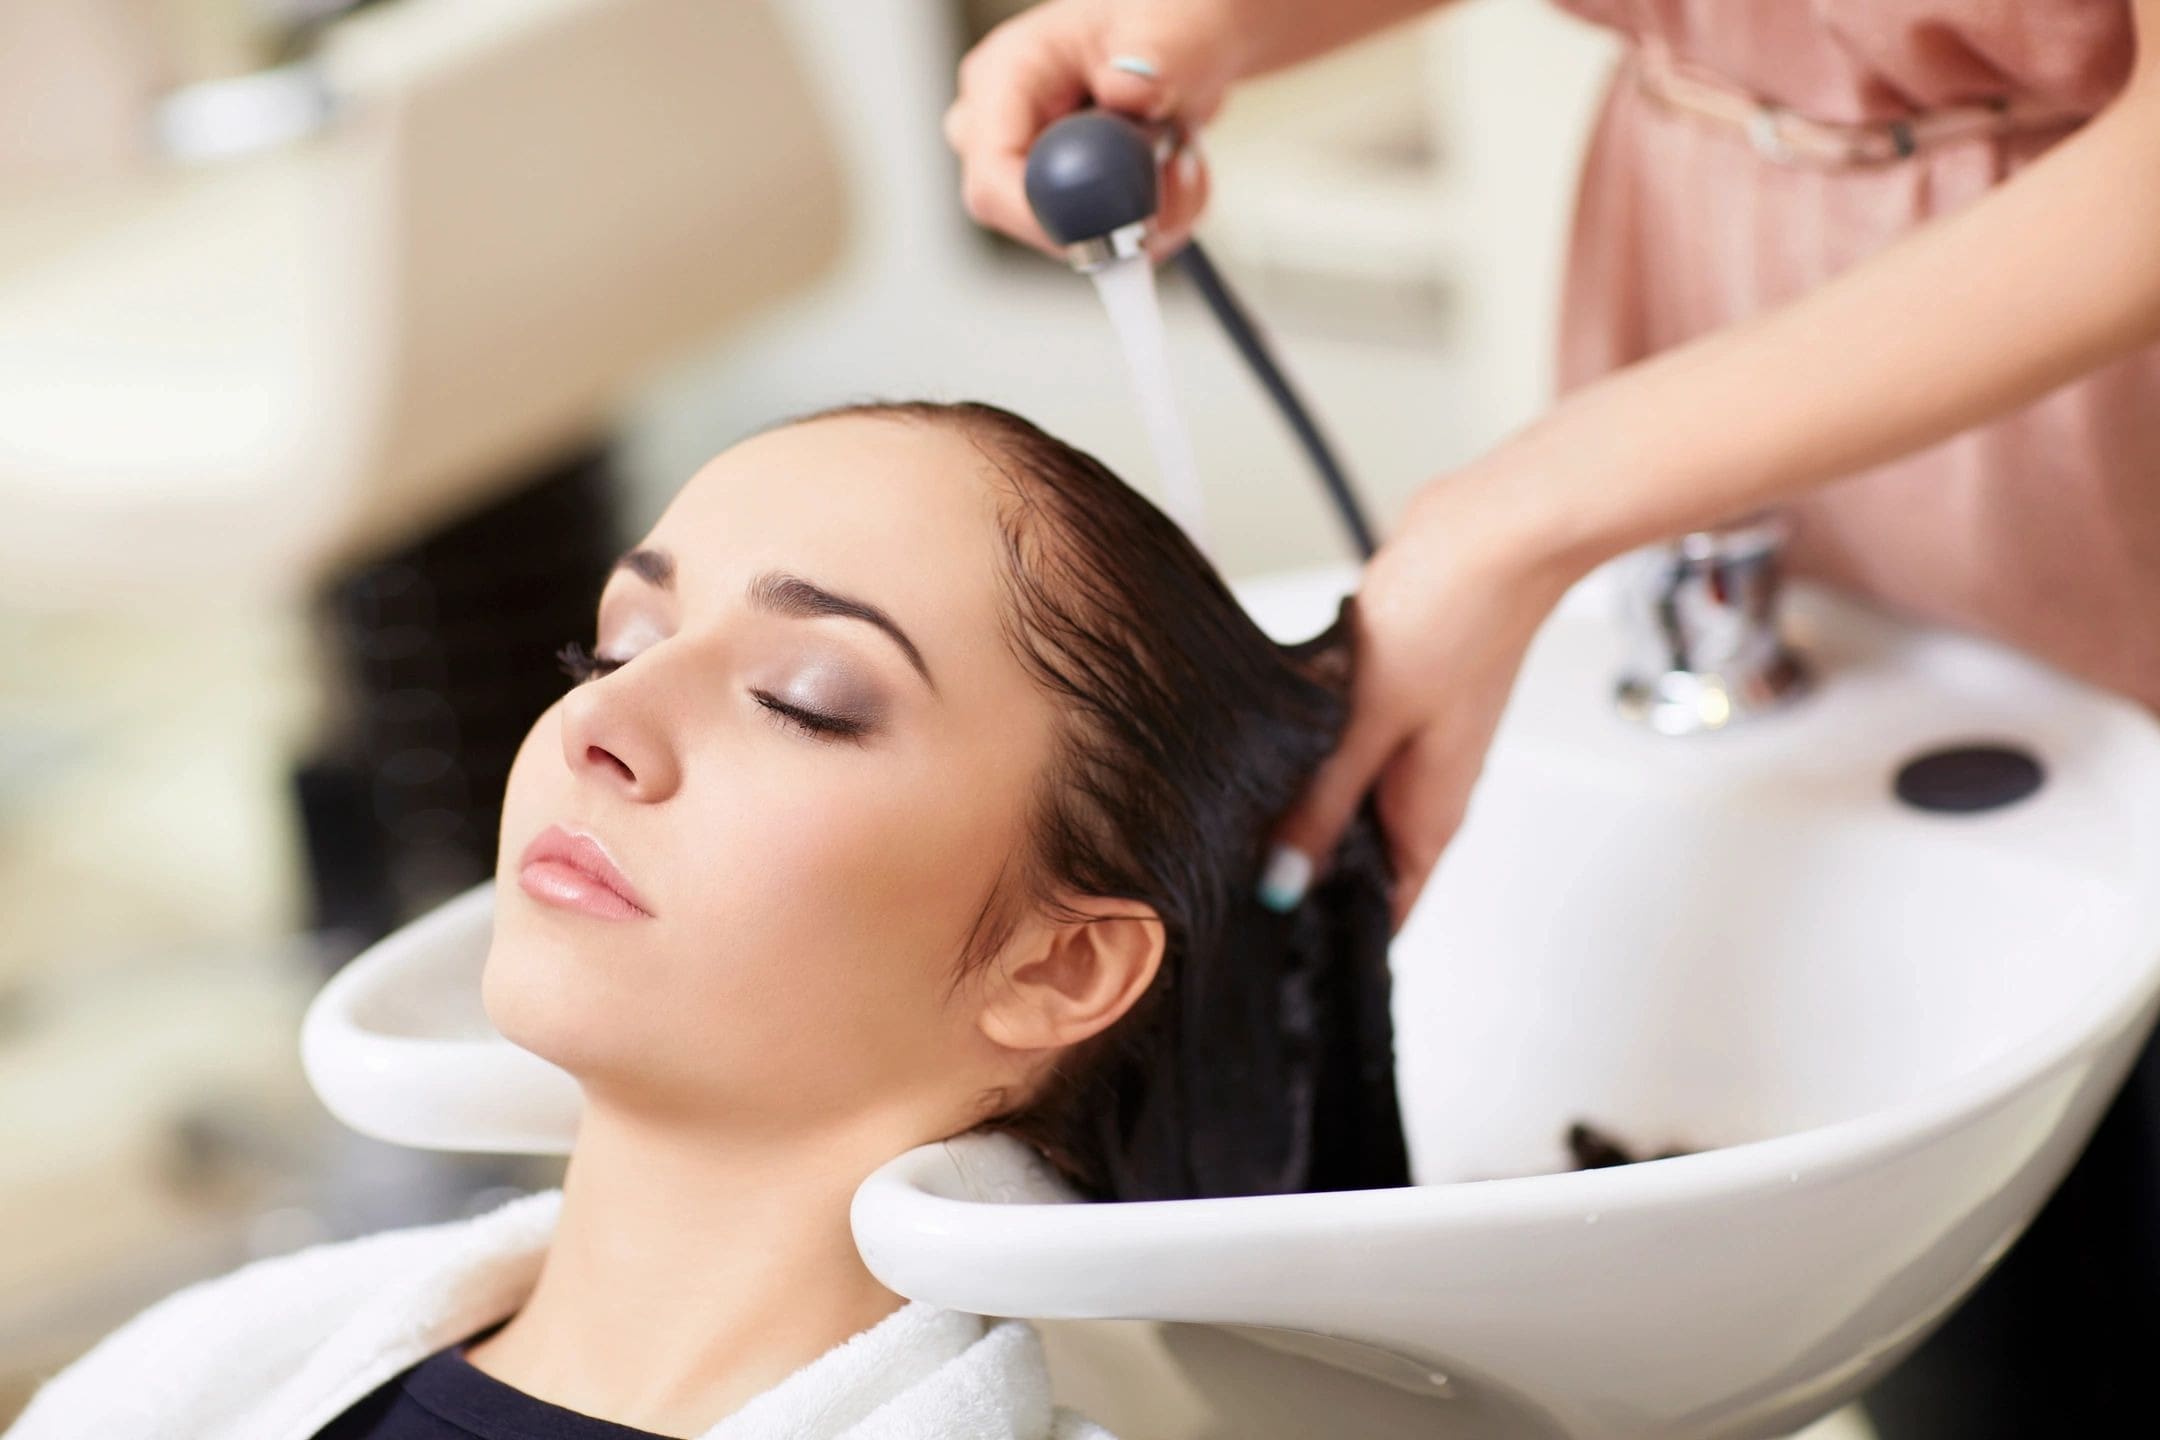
(582, 665)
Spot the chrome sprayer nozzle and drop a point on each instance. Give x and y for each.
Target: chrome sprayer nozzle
(1120, 244)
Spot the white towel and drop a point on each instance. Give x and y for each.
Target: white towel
(276, 1349)
(921, 1373)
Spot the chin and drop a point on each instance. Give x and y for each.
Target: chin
(538, 989)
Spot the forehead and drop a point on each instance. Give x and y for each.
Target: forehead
(899, 512)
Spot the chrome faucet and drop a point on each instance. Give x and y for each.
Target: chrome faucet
(1701, 613)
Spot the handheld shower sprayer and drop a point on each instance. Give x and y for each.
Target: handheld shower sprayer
(1092, 180)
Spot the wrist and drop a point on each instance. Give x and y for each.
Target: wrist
(1518, 511)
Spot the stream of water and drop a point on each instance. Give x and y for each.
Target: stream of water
(1127, 288)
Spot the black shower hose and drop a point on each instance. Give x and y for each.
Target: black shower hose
(1243, 334)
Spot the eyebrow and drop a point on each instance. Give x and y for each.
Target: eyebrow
(784, 594)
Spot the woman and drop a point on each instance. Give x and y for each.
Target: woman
(1892, 264)
(921, 765)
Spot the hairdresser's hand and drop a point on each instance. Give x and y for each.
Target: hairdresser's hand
(1444, 615)
(1057, 57)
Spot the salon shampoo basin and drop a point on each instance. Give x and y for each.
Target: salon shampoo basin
(1883, 1034)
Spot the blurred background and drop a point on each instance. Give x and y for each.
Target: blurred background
(342, 347)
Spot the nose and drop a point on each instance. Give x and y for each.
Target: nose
(612, 736)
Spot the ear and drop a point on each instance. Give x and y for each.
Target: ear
(1062, 981)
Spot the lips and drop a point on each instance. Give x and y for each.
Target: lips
(572, 871)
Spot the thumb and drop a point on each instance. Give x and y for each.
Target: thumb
(1310, 830)
(1164, 73)
(1157, 64)
(1133, 83)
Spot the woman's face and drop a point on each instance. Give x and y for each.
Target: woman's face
(806, 892)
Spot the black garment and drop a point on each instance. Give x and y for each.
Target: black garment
(2059, 1338)
(447, 1397)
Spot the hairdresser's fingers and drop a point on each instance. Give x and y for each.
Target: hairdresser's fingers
(1309, 831)
(1184, 196)
(1421, 797)
(1164, 67)
(1157, 62)
(1024, 74)
(995, 196)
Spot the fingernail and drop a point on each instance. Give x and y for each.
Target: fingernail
(1284, 880)
(1188, 166)
(1135, 65)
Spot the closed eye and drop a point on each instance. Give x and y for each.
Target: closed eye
(582, 665)
(811, 722)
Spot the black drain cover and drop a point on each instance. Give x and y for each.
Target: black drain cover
(1961, 779)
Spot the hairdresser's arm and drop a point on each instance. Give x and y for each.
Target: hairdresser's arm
(2054, 272)
(1052, 58)
(1283, 32)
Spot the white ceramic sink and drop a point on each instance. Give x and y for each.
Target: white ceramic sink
(1887, 1033)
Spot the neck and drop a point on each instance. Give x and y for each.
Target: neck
(689, 1273)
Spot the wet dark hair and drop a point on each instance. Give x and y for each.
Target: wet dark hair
(1260, 1060)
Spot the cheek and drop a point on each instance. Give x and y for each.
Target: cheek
(825, 900)
(866, 859)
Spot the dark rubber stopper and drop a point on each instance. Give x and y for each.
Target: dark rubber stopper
(1962, 779)
(1089, 174)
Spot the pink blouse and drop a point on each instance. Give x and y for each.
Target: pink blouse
(2040, 528)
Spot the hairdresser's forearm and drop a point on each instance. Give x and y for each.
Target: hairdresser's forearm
(2053, 273)
(1277, 33)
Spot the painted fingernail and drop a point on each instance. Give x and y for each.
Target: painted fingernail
(1284, 880)
(1135, 65)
